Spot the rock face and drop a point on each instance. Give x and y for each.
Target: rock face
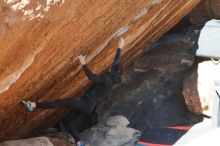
(40, 41)
(206, 10)
(191, 94)
(38, 141)
(113, 132)
(151, 93)
(199, 88)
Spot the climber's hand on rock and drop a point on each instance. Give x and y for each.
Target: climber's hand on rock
(82, 59)
(121, 43)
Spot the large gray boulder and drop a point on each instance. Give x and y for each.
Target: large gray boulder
(113, 132)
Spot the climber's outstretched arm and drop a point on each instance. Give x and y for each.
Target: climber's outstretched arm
(115, 65)
(91, 76)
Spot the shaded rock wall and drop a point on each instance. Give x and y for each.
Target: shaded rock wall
(150, 96)
(206, 10)
(40, 40)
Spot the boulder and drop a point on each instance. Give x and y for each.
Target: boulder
(37, 141)
(40, 42)
(190, 93)
(112, 132)
(199, 88)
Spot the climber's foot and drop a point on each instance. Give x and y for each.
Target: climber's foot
(27, 105)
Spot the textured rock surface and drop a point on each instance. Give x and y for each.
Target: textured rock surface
(190, 93)
(112, 132)
(199, 88)
(40, 40)
(151, 95)
(38, 141)
(206, 10)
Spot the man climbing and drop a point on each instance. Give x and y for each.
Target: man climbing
(102, 84)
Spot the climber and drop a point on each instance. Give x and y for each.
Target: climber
(102, 84)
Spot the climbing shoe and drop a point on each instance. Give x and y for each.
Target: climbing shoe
(80, 143)
(27, 105)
